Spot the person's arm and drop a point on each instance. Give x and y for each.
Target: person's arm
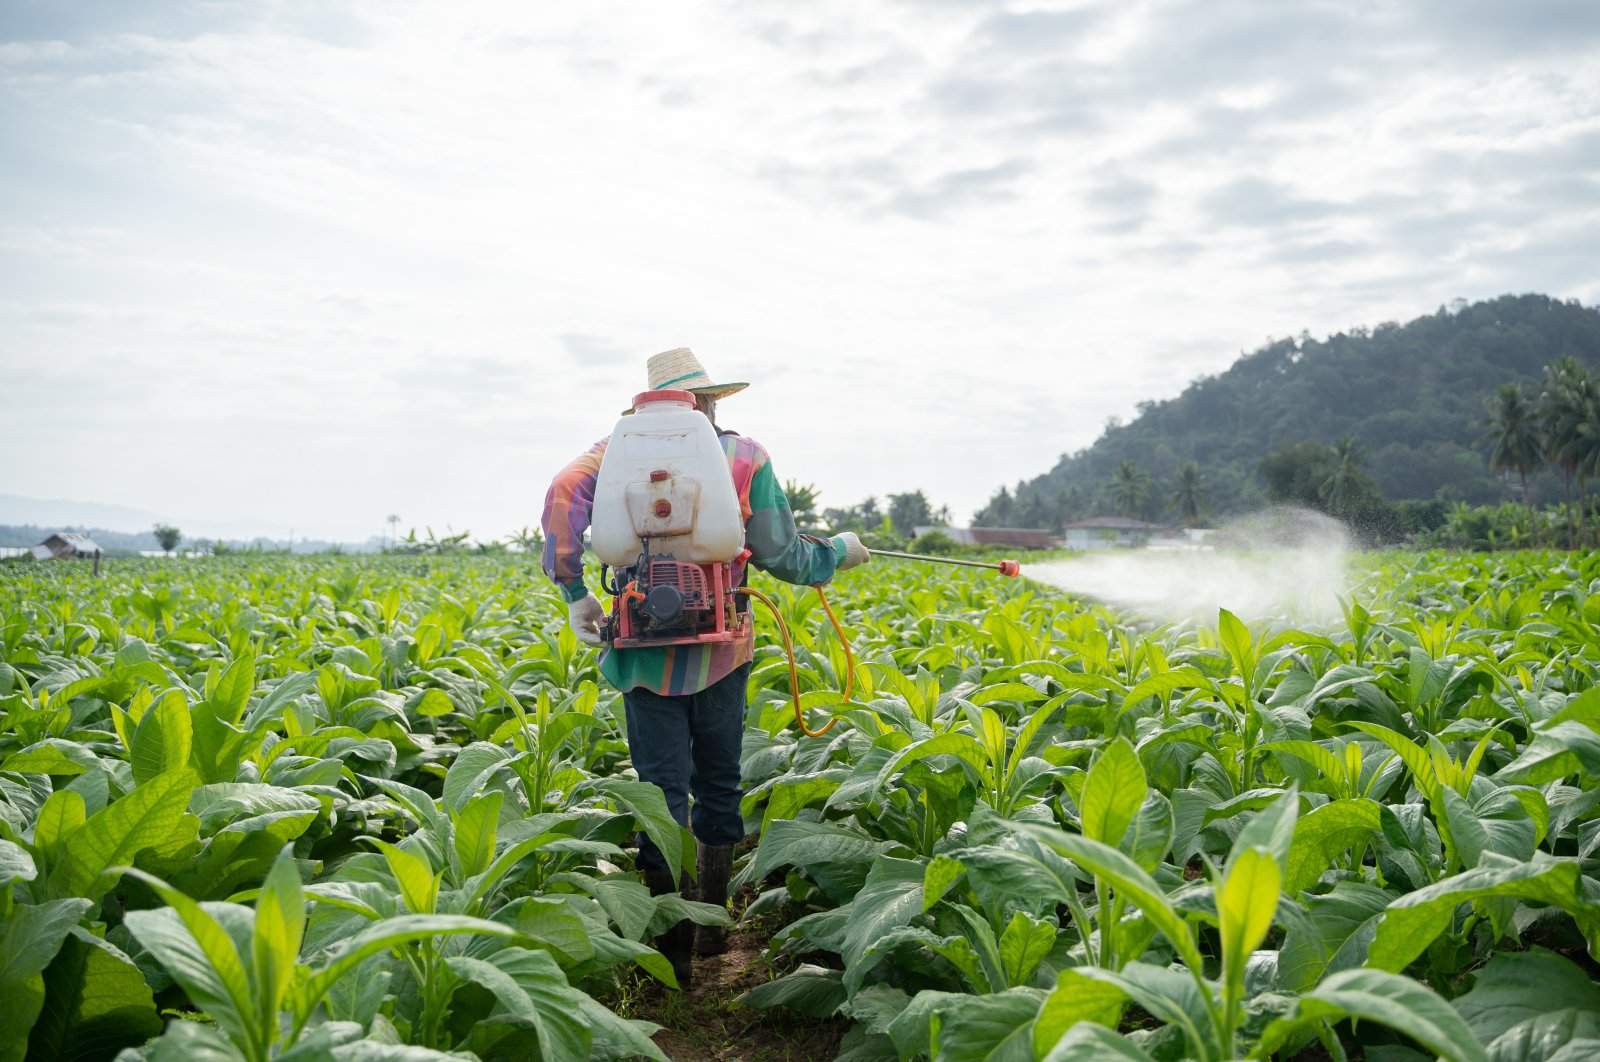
(775, 547)
(567, 509)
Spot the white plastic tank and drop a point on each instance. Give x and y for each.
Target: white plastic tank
(664, 477)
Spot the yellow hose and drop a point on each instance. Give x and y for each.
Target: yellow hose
(794, 672)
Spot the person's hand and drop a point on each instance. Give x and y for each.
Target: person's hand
(584, 617)
(854, 552)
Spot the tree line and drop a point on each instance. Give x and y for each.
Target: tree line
(1557, 425)
(1411, 394)
(891, 525)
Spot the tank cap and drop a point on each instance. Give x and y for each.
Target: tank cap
(686, 397)
(659, 475)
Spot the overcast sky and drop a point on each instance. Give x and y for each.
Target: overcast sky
(316, 262)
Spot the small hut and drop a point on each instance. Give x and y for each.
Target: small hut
(65, 545)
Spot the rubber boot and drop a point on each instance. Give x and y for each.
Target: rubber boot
(677, 943)
(716, 866)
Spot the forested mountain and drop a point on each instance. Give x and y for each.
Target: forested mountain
(1412, 397)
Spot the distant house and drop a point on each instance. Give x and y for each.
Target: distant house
(65, 545)
(1109, 532)
(1007, 537)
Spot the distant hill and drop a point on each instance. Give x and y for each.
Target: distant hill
(1413, 395)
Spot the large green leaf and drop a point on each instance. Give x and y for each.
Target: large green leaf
(1547, 1036)
(1556, 752)
(912, 1030)
(53, 756)
(1323, 834)
(30, 937)
(612, 1036)
(1112, 794)
(796, 842)
(810, 990)
(1415, 920)
(648, 805)
(63, 812)
(475, 830)
(1385, 999)
(1246, 902)
(163, 738)
(1517, 987)
(231, 695)
(965, 749)
(1340, 928)
(1023, 944)
(146, 818)
(418, 884)
(194, 942)
(891, 897)
(1498, 822)
(468, 770)
(1094, 1043)
(994, 1028)
(223, 803)
(1273, 827)
(1021, 873)
(96, 1004)
(1131, 883)
(390, 933)
(533, 991)
(1171, 996)
(1076, 998)
(280, 926)
(190, 1041)
(15, 864)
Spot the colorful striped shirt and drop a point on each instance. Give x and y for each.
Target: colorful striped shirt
(769, 533)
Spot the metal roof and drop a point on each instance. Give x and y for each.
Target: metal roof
(66, 541)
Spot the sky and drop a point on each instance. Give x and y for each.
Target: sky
(314, 262)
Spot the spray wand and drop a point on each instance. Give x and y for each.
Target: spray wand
(1008, 568)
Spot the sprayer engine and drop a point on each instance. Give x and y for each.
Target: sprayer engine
(661, 601)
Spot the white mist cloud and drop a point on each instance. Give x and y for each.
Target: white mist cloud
(1280, 566)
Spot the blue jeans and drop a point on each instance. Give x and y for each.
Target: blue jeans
(690, 744)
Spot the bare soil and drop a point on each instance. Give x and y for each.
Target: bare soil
(708, 1024)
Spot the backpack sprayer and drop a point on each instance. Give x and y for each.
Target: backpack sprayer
(667, 523)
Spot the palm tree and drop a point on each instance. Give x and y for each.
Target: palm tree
(802, 504)
(527, 539)
(1514, 433)
(1585, 448)
(394, 527)
(1566, 404)
(1589, 432)
(1346, 485)
(1130, 489)
(1189, 494)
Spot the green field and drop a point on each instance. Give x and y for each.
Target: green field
(312, 808)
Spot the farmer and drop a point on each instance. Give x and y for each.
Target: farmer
(685, 703)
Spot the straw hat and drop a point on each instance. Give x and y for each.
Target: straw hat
(679, 370)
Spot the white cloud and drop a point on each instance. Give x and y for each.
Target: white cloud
(320, 262)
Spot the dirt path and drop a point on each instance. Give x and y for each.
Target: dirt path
(707, 1024)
